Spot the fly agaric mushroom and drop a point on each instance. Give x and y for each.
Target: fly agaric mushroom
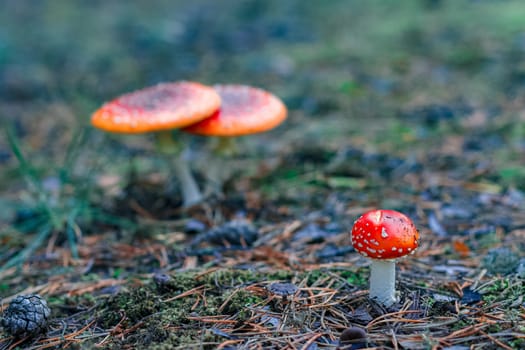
(383, 236)
(160, 109)
(244, 110)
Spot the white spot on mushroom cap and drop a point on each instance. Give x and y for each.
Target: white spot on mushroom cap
(384, 234)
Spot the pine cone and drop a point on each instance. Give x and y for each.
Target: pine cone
(26, 315)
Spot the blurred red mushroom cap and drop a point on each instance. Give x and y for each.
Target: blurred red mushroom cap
(384, 234)
(161, 107)
(244, 110)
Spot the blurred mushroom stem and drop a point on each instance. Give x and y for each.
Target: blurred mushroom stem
(383, 281)
(177, 154)
(223, 148)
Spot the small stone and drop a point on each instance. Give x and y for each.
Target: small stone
(26, 315)
(470, 297)
(161, 278)
(163, 281)
(282, 289)
(195, 226)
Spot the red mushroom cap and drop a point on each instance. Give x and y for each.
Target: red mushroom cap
(384, 234)
(244, 110)
(161, 107)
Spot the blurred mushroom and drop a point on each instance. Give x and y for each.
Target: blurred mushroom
(244, 110)
(384, 236)
(160, 109)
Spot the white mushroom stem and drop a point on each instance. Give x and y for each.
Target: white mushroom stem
(383, 281)
(223, 149)
(190, 190)
(177, 154)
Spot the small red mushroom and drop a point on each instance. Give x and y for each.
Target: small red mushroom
(383, 236)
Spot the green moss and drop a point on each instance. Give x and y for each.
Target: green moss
(359, 278)
(517, 343)
(222, 292)
(159, 311)
(132, 306)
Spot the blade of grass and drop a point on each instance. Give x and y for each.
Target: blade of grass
(77, 141)
(25, 168)
(70, 232)
(29, 175)
(25, 253)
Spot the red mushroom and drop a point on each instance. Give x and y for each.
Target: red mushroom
(160, 109)
(244, 110)
(383, 236)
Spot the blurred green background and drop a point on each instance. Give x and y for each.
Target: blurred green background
(383, 76)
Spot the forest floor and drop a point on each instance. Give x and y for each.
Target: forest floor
(417, 106)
